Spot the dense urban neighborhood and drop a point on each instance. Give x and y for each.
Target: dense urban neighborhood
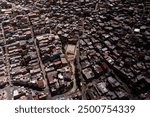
(74, 49)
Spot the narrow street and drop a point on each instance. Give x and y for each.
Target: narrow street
(46, 90)
(8, 88)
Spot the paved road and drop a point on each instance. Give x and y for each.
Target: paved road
(7, 88)
(46, 90)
